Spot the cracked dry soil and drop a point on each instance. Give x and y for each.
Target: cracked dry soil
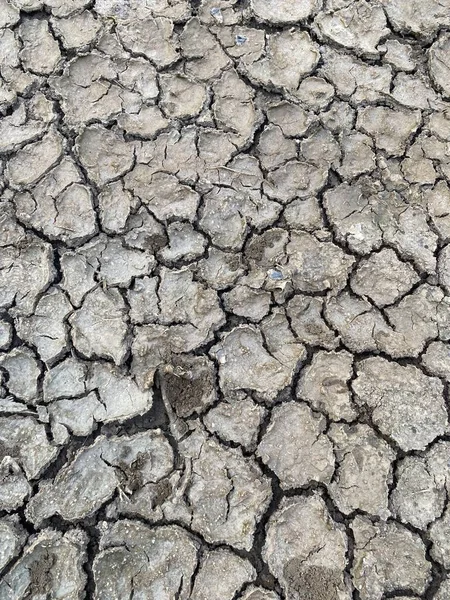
(224, 299)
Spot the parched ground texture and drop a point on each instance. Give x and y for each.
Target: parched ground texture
(224, 299)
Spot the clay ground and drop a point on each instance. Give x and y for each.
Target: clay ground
(224, 299)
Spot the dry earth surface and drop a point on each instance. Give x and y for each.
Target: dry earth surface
(224, 299)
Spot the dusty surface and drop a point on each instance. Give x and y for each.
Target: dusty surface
(224, 299)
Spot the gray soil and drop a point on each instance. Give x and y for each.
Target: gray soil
(224, 299)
